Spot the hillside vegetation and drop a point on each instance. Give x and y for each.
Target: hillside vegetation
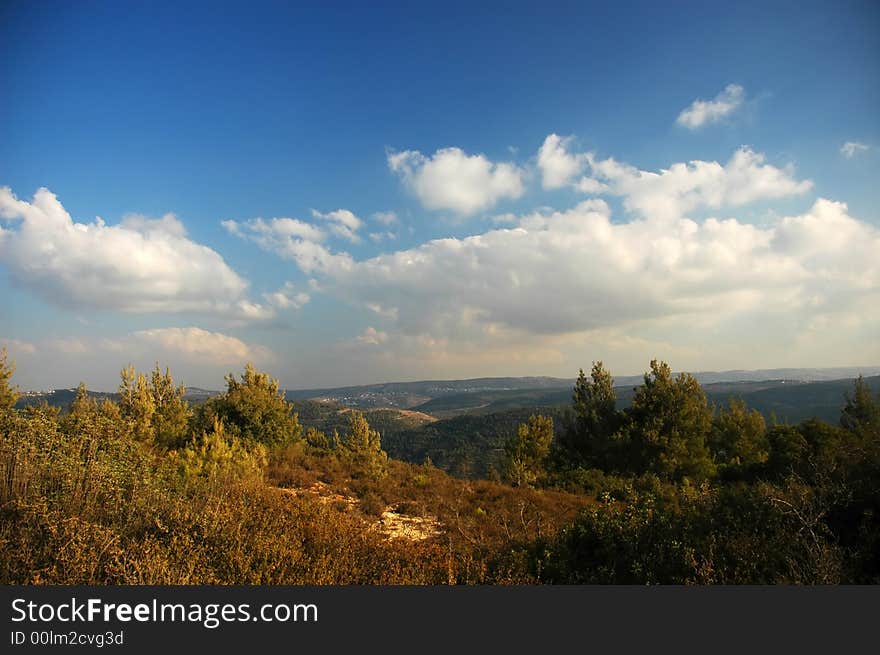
(242, 489)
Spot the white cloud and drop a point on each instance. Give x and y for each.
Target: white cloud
(557, 165)
(287, 297)
(343, 223)
(385, 218)
(372, 336)
(276, 227)
(559, 272)
(658, 280)
(141, 265)
(590, 186)
(575, 271)
(675, 191)
(451, 179)
(289, 240)
(194, 343)
(704, 112)
(168, 224)
(852, 148)
(684, 187)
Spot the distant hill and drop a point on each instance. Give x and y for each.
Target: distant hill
(787, 400)
(58, 397)
(791, 401)
(409, 394)
(487, 402)
(330, 417)
(466, 446)
(460, 395)
(477, 416)
(468, 441)
(399, 406)
(442, 397)
(63, 397)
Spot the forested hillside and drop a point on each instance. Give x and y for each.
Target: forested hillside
(246, 487)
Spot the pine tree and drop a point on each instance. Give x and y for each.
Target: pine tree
(172, 415)
(362, 447)
(588, 439)
(739, 436)
(669, 426)
(8, 394)
(526, 453)
(861, 414)
(253, 409)
(136, 403)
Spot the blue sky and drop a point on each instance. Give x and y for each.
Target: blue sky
(476, 126)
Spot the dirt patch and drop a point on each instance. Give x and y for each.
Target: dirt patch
(391, 522)
(419, 416)
(412, 528)
(325, 494)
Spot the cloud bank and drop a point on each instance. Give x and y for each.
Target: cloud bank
(141, 265)
(581, 274)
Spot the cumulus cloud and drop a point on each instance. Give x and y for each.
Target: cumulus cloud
(558, 272)
(342, 223)
(662, 277)
(704, 112)
(590, 185)
(557, 165)
(276, 227)
(451, 179)
(288, 239)
(672, 192)
(576, 270)
(140, 265)
(287, 297)
(194, 343)
(852, 148)
(684, 187)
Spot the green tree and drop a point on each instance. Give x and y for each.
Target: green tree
(588, 439)
(136, 403)
(81, 413)
(217, 459)
(172, 415)
(861, 414)
(362, 447)
(253, 409)
(526, 453)
(154, 407)
(317, 439)
(669, 424)
(83, 403)
(788, 451)
(8, 394)
(739, 436)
